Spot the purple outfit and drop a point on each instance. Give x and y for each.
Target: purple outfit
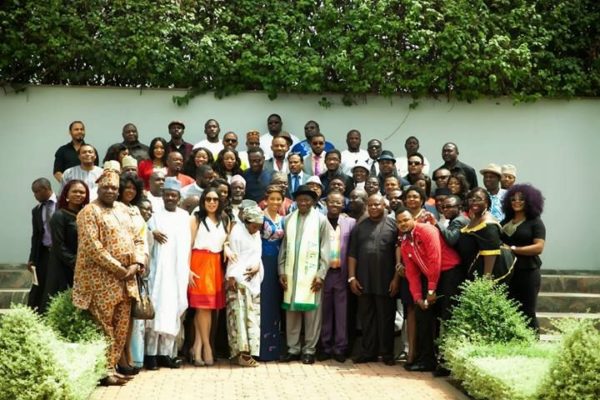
(334, 308)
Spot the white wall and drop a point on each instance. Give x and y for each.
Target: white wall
(554, 144)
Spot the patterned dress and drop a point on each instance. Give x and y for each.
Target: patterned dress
(271, 293)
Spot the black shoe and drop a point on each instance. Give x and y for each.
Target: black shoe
(389, 360)
(402, 357)
(339, 358)
(150, 363)
(364, 359)
(168, 362)
(441, 372)
(308, 358)
(419, 367)
(290, 357)
(323, 356)
(128, 371)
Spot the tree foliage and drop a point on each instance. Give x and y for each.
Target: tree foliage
(463, 49)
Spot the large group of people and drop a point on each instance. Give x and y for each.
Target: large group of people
(285, 250)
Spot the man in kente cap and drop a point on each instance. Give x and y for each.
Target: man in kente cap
(109, 256)
(168, 280)
(303, 263)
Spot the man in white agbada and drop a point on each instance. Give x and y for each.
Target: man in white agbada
(168, 280)
(244, 276)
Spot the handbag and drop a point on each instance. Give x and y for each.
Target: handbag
(143, 308)
(503, 266)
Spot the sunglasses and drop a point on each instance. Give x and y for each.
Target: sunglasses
(230, 140)
(414, 163)
(211, 199)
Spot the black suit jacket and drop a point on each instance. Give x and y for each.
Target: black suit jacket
(37, 224)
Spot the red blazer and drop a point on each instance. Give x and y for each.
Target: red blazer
(424, 252)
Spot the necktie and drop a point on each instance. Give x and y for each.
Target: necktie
(373, 170)
(317, 165)
(295, 182)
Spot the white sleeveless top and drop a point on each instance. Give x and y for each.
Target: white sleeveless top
(211, 239)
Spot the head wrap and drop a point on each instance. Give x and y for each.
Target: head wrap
(255, 134)
(253, 215)
(113, 166)
(129, 161)
(109, 177)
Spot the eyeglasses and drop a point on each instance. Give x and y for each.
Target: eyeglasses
(414, 163)
(230, 140)
(211, 199)
(318, 143)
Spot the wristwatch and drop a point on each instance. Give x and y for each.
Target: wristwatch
(430, 292)
(513, 248)
(351, 279)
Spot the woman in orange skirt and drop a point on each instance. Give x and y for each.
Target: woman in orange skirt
(206, 287)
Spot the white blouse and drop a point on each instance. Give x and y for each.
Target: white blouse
(211, 239)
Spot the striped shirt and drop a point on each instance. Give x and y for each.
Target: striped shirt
(89, 177)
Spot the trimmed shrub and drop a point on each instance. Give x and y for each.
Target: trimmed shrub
(575, 373)
(484, 314)
(35, 364)
(28, 367)
(69, 322)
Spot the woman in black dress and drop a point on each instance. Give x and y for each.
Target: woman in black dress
(63, 225)
(479, 242)
(525, 233)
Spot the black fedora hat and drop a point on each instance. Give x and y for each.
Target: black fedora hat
(305, 189)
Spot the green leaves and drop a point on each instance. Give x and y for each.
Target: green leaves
(461, 49)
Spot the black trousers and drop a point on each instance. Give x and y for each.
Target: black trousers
(524, 287)
(428, 321)
(377, 315)
(36, 294)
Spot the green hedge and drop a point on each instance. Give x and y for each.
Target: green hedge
(489, 349)
(35, 364)
(463, 49)
(70, 323)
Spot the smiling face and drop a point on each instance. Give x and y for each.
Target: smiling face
(386, 167)
(372, 185)
(229, 160)
(87, 155)
(256, 160)
(450, 208)
(315, 187)
(107, 194)
(335, 205)
(159, 150)
(454, 185)
(129, 193)
(359, 174)
(491, 181)
(76, 195)
(200, 158)
(477, 203)
(338, 185)
(391, 183)
(415, 165)
(274, 201)
(395, 199)
(507, 181)
(171, 198)
(413, 200)
(517, 202)
(211, 203)
(305, 203)
(145, 208)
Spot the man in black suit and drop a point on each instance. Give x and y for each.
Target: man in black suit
(41, 240)
(451, 163)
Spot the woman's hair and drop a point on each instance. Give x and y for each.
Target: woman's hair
(427, 180)
(462, 181)
(137, 183)
(417, 189)
(62, 200)
(534, 201)
(274, 189)
(482, 191)
(189, 168)
(112, 154)
(201, 214)
(215, 183)
(219, 167)
(153, 144)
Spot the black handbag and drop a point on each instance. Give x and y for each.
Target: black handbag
(504, 266)
(143, 308)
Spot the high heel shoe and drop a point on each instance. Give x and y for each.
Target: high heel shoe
(192, 360)
(209, 361)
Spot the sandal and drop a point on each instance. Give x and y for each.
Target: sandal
(246, 360)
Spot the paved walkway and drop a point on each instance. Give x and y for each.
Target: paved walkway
(280, 381)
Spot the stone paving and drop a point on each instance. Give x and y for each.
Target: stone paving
(277, 381)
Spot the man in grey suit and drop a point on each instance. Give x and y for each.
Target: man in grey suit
(456, 219)
(280, 145)
(314, 162)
